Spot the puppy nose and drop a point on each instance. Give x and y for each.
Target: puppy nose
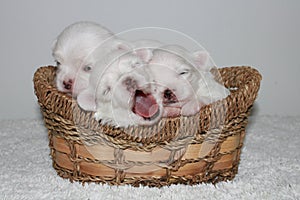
(169, 97)
(167, 94)
(68, 84)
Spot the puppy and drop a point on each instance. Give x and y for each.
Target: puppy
(183, 80)
(76, 50)
(119, 91)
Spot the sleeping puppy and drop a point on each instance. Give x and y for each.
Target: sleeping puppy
(183, 80)
(76, 50)
(119, 91)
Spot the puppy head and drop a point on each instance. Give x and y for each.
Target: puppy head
(132, 100)
(176, 75)
(121, 82)
(108, 70)
(76, 51)
(74, 77)
(170, 85)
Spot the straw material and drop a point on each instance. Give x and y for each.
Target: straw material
(205, 147)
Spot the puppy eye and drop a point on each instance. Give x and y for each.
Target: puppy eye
(183, 72)
(106, 91)
(87, 68)
(57, 63)
(136, 64)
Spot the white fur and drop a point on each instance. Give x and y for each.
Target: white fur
(76, 50)
(187, 75)
(109, 93)
(144, 47)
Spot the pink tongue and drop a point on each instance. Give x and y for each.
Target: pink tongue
(144, 104)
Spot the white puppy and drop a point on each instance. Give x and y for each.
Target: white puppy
(119, 91)
(183, 80)
(77, 49)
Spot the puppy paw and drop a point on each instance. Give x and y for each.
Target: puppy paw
(97, 116)
(191, 108)
(105, 120)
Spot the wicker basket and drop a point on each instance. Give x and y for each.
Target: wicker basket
(188, 150)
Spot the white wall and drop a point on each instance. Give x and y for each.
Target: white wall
(264, 34)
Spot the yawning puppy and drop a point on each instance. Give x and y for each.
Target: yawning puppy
(183, 80)
(74, 52)
(119, 91)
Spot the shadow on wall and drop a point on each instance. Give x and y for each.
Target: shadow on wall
(254, 112)
(38, 112)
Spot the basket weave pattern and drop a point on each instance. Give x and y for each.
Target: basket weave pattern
(205, 147)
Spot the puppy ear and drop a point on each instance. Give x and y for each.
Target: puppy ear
(53, 45)
(123, 45)
(145, 54)
(201, 59)
(86, 100)
(55, 53)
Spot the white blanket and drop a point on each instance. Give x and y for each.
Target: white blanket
(269, 167)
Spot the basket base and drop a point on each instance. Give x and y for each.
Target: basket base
(219, 162)
(70, 164)
(213, 177)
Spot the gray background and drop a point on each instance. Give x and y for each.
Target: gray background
(261, 33)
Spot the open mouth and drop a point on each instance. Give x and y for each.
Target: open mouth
(145, 105)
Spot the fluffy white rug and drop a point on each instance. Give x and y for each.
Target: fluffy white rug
(269, 167)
